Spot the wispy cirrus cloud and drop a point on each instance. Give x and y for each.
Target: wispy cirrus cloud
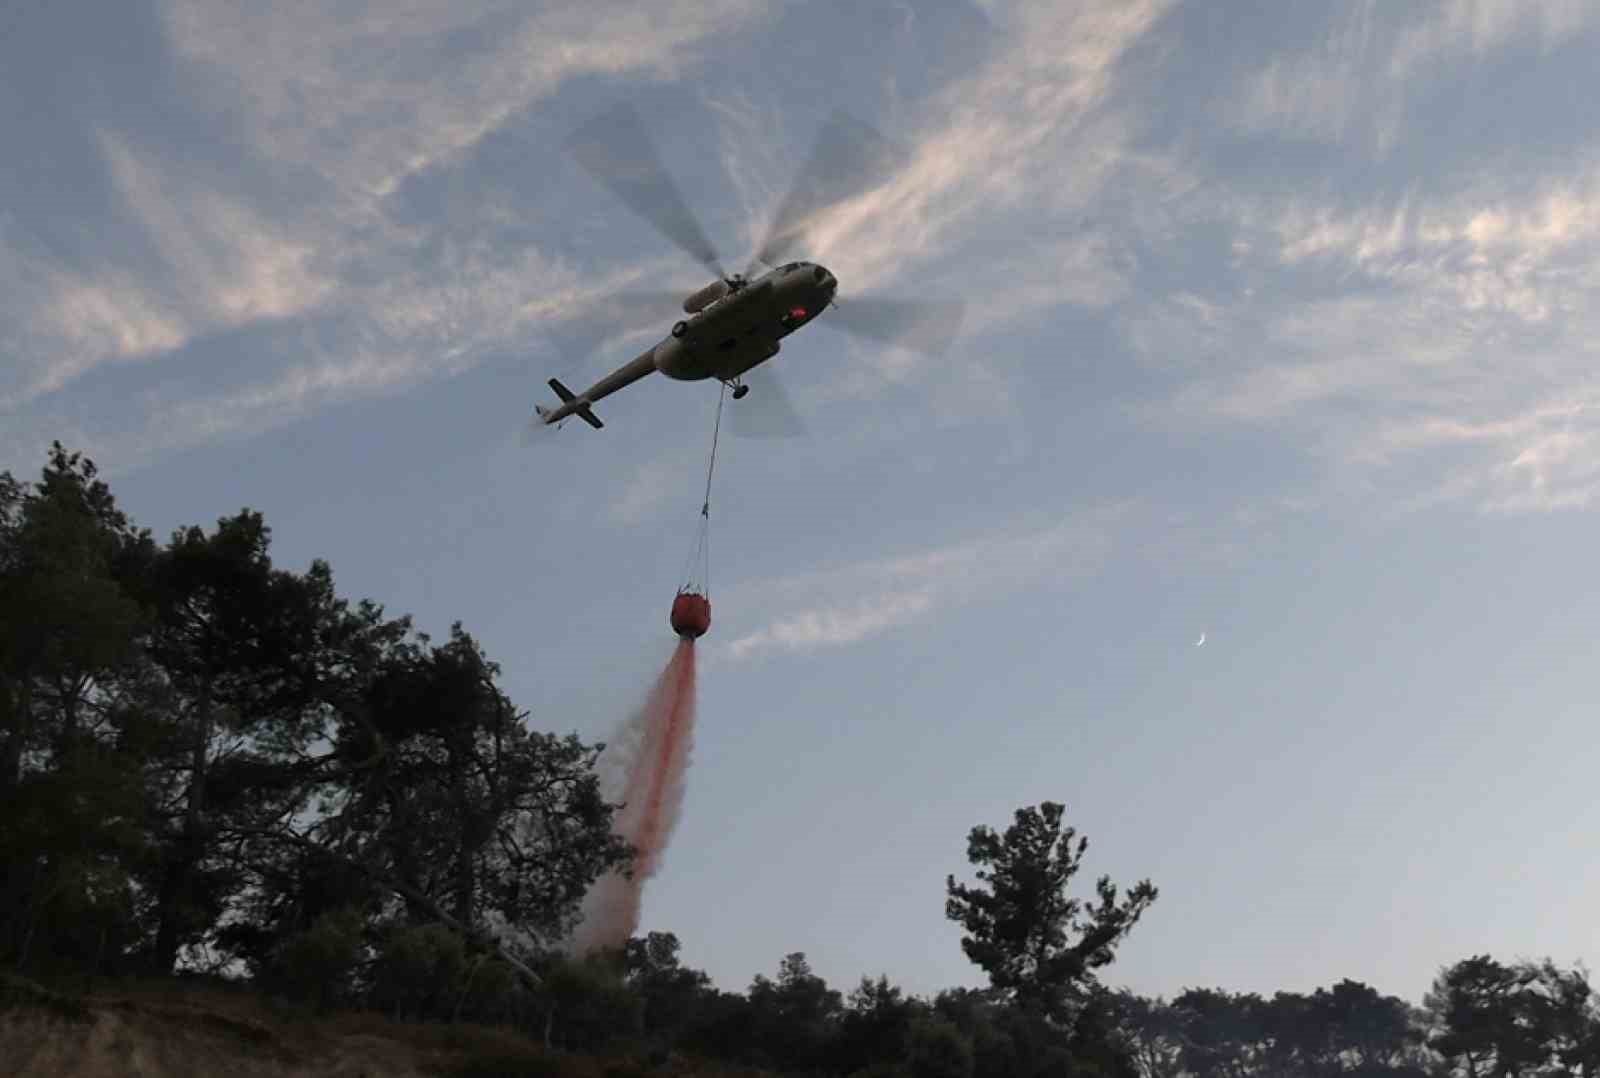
(1452, 330)
(1477, 27)
(1368, 64)
(219, 263)
(1026, 144)
(372, 92)
(368, 223)
(848, 604)
(1543, 459)
(295, 227)
(339, 131)
(651, 484)
(66, 323)
(226, 262)
(1043, 161)
(1347, 313)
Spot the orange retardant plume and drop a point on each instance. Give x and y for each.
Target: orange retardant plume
(652, 749)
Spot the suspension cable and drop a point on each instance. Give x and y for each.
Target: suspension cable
(697, 568)
(711, 466)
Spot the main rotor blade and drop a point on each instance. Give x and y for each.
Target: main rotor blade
(849, 157)
(656, 305)
(928, 327)
(580, 339)
(766, 411)
(616, 150)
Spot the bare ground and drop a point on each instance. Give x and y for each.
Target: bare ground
(178, 1029)
(172, 1031)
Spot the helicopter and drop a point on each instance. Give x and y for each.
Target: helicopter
(738, 321)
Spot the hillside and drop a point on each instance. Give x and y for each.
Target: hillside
(173, 1030)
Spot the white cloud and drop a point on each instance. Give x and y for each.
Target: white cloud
(358, 99)
(1029, 133)
(418, 335)
(1555, 470)
(1031, 185)
(1479, 262)
(60, 322)
(220, 263)
(1490, 250)
(1091, 270)
(371, 92)
(1542, 459)
(341, 97)
(1355, 83)
(228, 263)
(649, 488)
(850, 603)
(80, 321)
(1326, 92)
(1476, 27)
(1024, 146)
(838, 625)
(1448, 332)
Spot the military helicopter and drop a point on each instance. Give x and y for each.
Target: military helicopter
(739, 320)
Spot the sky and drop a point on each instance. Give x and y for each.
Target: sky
(1280, 326)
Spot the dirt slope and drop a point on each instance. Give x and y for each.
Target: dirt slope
(168, 1032)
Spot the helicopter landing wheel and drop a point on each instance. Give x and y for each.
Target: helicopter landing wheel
(679, 329)
(740, 390)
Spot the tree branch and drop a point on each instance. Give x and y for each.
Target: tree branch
(404, 890)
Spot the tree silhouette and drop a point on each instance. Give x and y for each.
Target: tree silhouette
(70, 797)
(1020, 926)
(875, 1025)
(670, 993)
(1510, 1021)
(795, 1015)
(235, 641)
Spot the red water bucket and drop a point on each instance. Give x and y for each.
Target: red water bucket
(691, 615)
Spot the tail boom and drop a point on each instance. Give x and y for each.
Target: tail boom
(583, 406)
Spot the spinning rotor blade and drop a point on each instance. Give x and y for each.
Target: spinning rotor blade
(534, 432)
(849, 158)
(923, 326)
(665, 307)
(616, 150)
(580, 338)
(766, 411)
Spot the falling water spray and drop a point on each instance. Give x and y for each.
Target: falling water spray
(647, 760)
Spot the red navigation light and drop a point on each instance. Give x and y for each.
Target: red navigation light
(797, 313)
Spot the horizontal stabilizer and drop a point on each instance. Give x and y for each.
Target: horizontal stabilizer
(571, 404)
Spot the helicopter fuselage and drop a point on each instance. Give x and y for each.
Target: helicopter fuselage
(743, 328)
(723, 339)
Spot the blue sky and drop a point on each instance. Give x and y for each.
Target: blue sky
(1280, 326)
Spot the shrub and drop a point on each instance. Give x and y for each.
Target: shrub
(316, 965)
(937, 1049)
(420, 973)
